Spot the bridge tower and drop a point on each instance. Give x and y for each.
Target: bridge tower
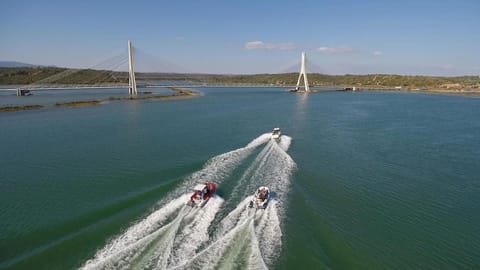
(303, 72)
(132, 85)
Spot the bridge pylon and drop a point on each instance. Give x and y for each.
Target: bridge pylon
(303, 72)
(132, 84)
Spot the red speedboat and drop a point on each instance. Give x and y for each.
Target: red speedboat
(202, 193)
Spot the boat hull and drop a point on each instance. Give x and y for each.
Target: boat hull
(200, 197)
(257, 202)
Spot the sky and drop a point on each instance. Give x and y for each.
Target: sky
(422, 37)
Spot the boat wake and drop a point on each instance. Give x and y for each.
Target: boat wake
(246, 239)
(250, 238)
(177, 236)
(217, 168)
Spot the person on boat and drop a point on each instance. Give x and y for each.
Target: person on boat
(205, 193)
(198, 194)
(262, 193)
(210, 189)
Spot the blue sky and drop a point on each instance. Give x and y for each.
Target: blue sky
(439, 37)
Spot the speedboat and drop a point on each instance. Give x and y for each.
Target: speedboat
(260, 198)
(293, 89)
(276, 133)
(202, 193)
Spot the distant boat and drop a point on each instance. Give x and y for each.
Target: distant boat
(23, 92)
(276, 133)
(293, 90)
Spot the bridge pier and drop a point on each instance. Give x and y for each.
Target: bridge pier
(132, 84)
(303, 72)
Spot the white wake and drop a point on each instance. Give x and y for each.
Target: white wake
(174, 232)
(248, 238)
(177, 236)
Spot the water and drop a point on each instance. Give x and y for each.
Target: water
(363, 180)
(53, 96)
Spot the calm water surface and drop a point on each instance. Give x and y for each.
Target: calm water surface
(374, 180)
(52, 96)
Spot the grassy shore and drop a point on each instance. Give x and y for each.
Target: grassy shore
(178, 93)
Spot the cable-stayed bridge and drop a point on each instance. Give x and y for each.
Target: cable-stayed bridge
(119, 71)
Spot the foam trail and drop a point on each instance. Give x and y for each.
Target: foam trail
(126, 247)
(260, 230)
(256, 260)
(217, 168)
(192, 236)
(231, 251)
(257, 165)
(266, 239)
(149, 243)
(137, 235)
(235, 217)
(170, 236)
(182, 241)
(275, 174)
(157, 253)
(139, 245)
(285, 142)
(243, 251)
(268, 230)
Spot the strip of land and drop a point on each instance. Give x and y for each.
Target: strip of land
(178, 93)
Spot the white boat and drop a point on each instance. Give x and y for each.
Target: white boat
(260, 198)
(276, 133)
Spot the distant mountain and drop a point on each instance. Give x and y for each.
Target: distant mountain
(14, 64)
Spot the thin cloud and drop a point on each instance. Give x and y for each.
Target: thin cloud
(253, 45)
(377, 53)
(331, 50)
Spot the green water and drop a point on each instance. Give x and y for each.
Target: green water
(381, 180)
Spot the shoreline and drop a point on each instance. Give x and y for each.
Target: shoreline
(457, 92)
(179, 93)
(433, 91)
(182, 93)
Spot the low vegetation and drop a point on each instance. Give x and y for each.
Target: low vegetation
(54, 75)
(78, 103)
(20, 108)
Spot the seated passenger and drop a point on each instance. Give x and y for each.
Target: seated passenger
(206, 192)
(195, 195)
(262, 194)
